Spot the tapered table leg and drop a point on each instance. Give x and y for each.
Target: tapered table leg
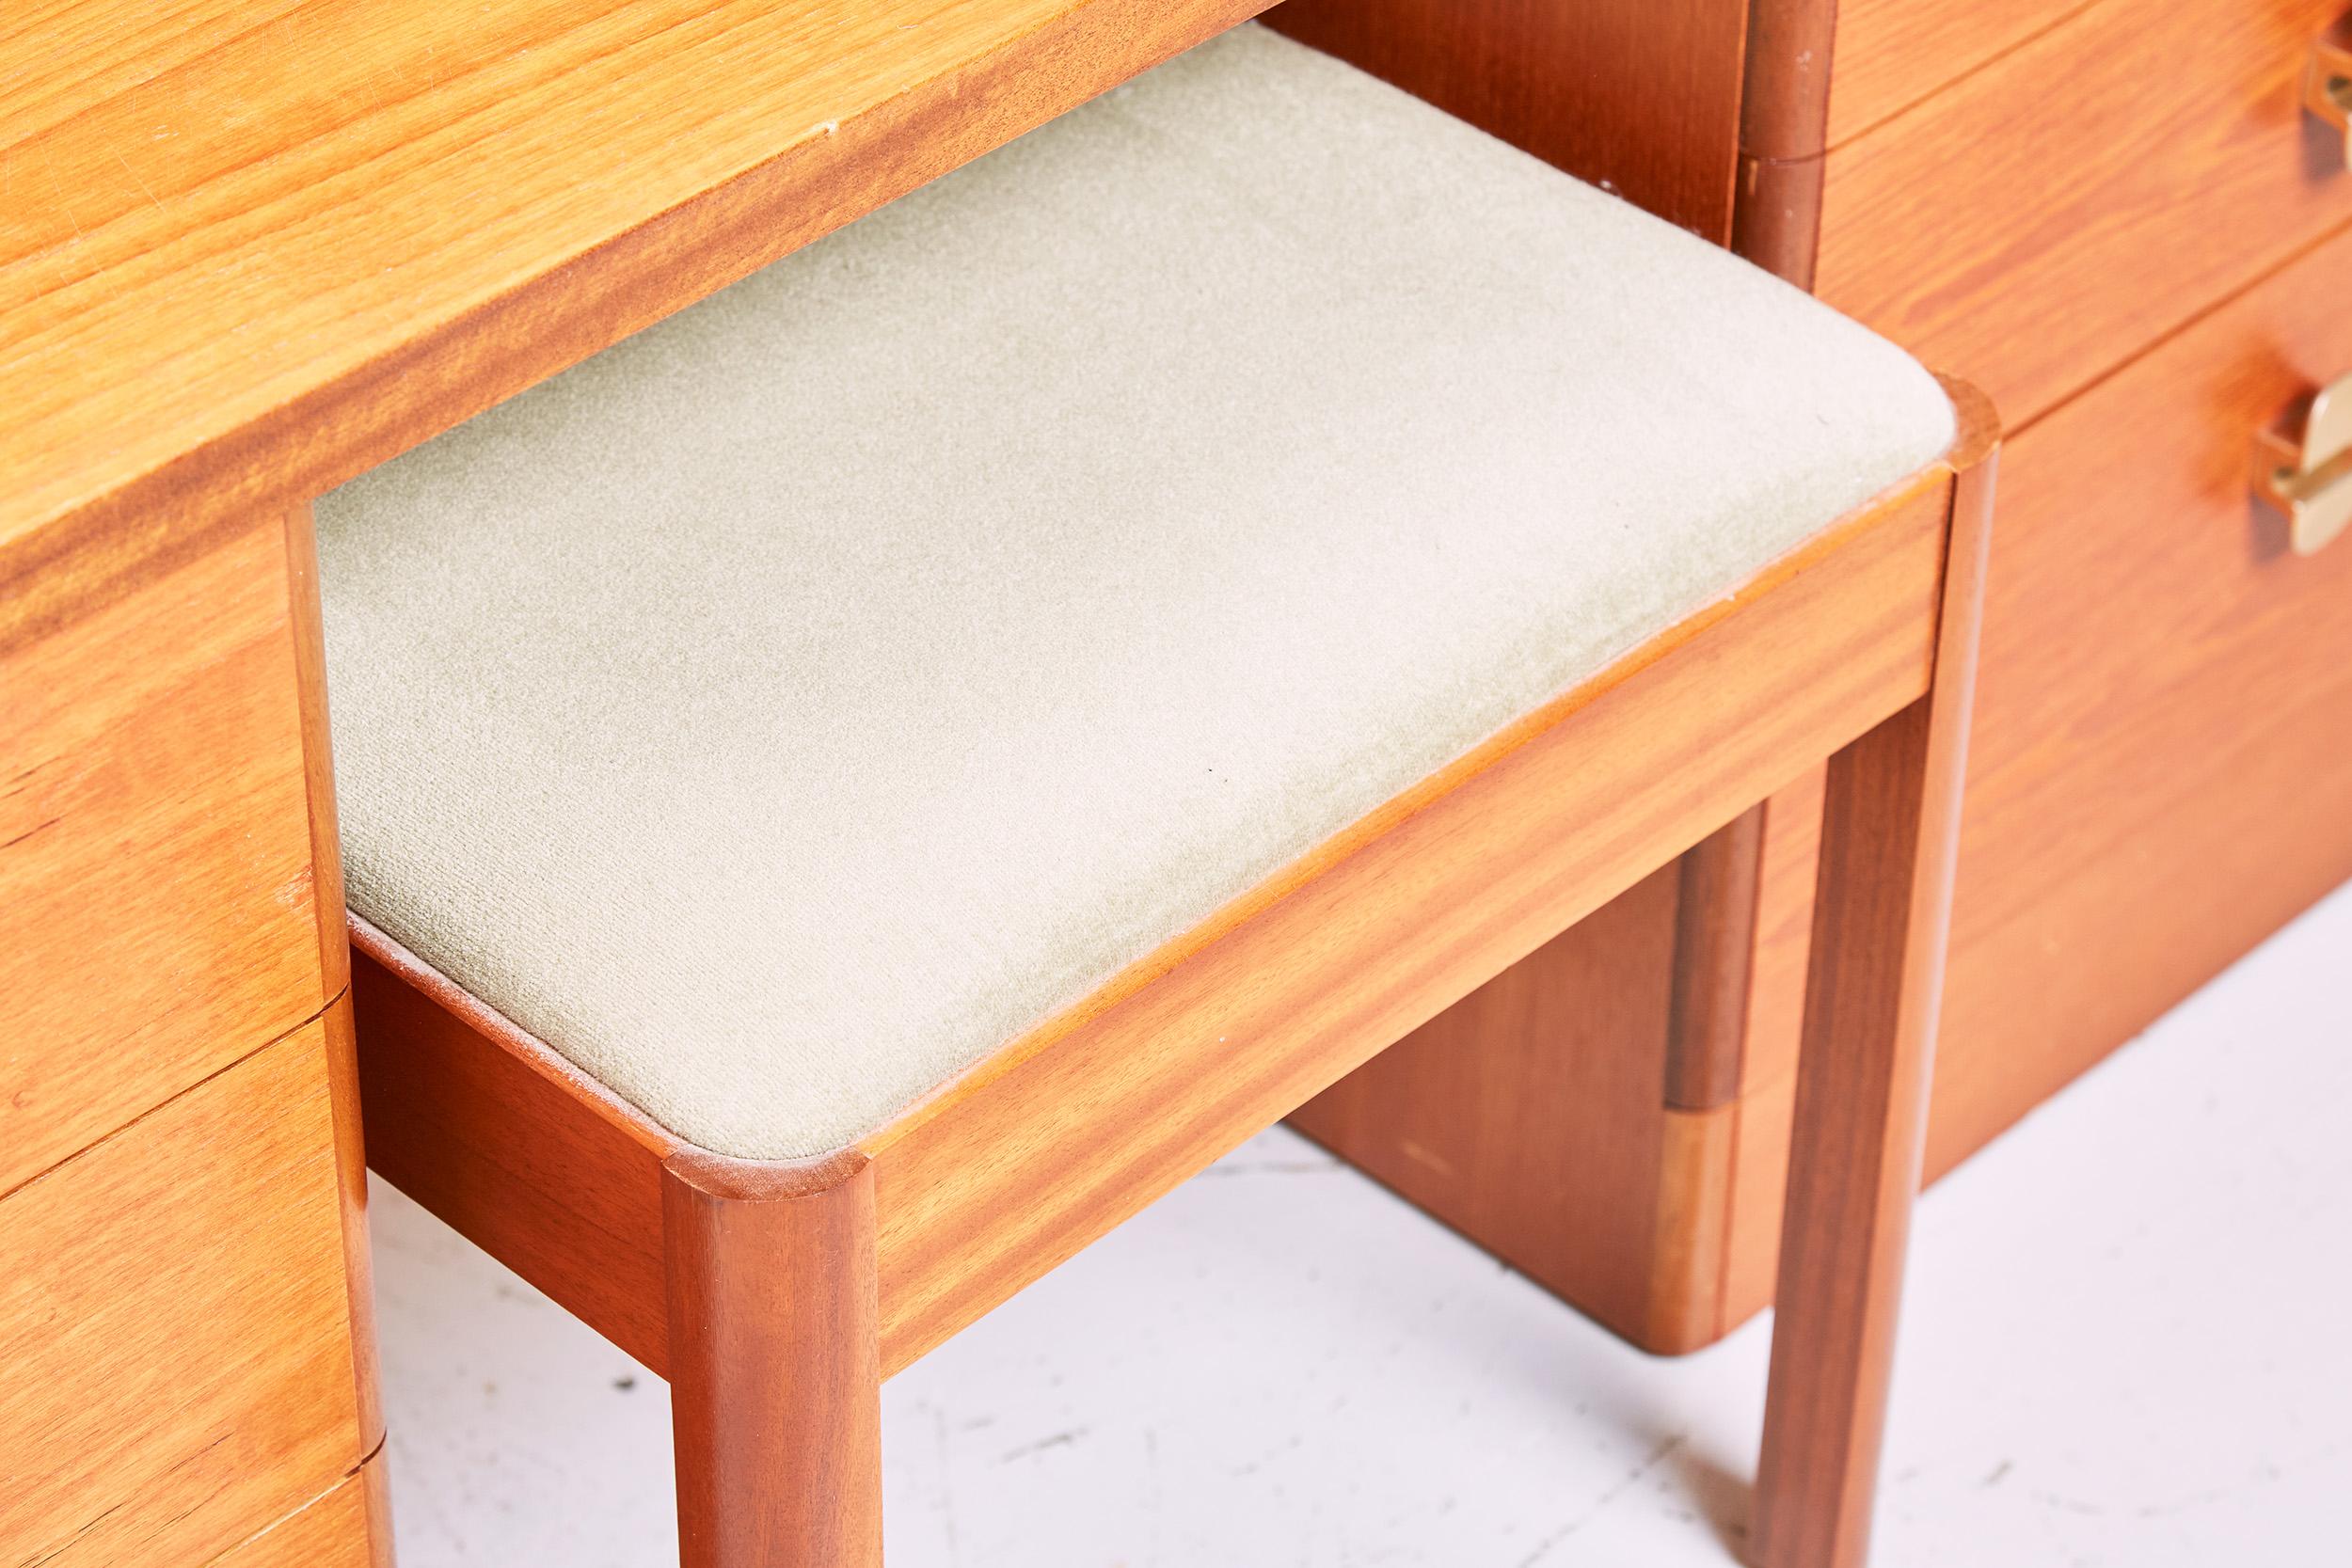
(1890, 831)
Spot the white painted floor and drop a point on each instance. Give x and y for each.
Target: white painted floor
(2128, 1341)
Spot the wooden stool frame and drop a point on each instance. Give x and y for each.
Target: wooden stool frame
(285, 297)
(775, 1297)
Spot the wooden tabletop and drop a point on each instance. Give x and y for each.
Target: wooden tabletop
(249, 248)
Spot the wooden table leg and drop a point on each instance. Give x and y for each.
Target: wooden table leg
(1890, 833)
(775, 1366)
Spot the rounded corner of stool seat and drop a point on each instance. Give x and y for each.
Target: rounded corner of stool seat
(729, 1180)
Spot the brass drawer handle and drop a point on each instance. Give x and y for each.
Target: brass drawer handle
(2328, 83)
(2306, 473)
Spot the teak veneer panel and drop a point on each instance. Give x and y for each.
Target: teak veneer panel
(1526, 1117)
(527, 1158)
(92, 55)
(2043, 219)
(2162, 765)
(1890, 54)
(229, 283)
(1527, 1113)
(157, 911)
(1715, 1249)
(1639, 96)
(345, 1528)
(1790, 854)
(174, 1325)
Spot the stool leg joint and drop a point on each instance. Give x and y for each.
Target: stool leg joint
(775, 1371)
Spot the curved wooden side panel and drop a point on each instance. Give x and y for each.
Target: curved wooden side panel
(1639, 96)
(1785, 88)
(1784, 117)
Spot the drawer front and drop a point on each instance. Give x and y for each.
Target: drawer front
(156, 909)
(1893, 53)
(2161, 772)
(175, 1327)
(2036, 224)
(346, 1529)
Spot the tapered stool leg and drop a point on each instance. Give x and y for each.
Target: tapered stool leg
(1890, 831)
(775, 1374)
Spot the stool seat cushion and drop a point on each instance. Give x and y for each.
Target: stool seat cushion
(781, 710)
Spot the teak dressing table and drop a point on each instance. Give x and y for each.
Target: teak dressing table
(245, 255)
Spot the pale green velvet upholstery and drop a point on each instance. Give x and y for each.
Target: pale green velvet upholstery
(790, 705)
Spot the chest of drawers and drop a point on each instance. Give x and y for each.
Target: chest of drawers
(183, 1287)
(2122, 221)
(2119, 218)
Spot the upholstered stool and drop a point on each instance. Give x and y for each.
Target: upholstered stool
(854, 790)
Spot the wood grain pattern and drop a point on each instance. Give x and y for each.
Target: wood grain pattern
(1890, 836)
(94, 57)
(1790, 858)
(1061, 1136)
(1714, 1246)
(1687, 1220)
(235, 280)
(348, 1528)
(1526, 1116)
(1639, 96)
(157, 909)
(2052, 214)
(1854, 1165)
(318, 753)
(1890, 54)
(351, 1191)
(1758, 1188)
(1715, 939)
(334, 950)
(2161, 773)
(173, 1317)
(775, 1374)
(511, 1146)
(1784, 94)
